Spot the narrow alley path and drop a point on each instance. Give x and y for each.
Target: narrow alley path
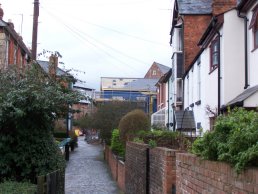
(87, 172)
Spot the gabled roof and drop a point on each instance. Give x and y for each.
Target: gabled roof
(82, 85)
(164, 69)
(142, 85)
(239, 100)
(15, 36)
(194, 6)
(45, 66)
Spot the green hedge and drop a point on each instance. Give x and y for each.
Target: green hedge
(117, 146)
(11, 187)
(234, 140)
(59, 134)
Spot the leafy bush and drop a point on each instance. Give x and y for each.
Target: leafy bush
(152, 143)
(12, 187)
(165, 138)
(30, 104)
(60, 134)
(234, 140)
(108, 116)
(116, 145)
(138, 140)
(132, 123)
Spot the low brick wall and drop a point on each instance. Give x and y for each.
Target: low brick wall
(121, 175)
(117, 168)
(162, 170)
(202, 176)
(135, 168)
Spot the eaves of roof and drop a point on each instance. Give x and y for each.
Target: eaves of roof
(245, 5)
(14, 34)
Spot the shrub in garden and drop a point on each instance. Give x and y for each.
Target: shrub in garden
(117, 146)
(30, 104)
(132, 123)
(234, 140)
(11, 187)
(108, 116)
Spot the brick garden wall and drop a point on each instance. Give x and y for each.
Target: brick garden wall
(202, 176)
(121, 175)
(162, 170)
(135, 168)
(117, 168)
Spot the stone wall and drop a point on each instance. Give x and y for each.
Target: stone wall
(202, 176)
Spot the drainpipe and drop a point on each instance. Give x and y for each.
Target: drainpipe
(168, 105)
(219, 83)
(246, 59)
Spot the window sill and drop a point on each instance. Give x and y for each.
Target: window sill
(255, 48)
(211, 71)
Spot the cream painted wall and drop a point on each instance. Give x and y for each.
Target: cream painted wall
(232, 59)
(252, 101)
(252, 55)
(209, 90)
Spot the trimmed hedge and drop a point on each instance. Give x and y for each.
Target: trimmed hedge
(132, 123)
(12, 187)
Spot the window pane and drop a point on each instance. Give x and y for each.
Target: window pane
(215, 59)
(215, 46)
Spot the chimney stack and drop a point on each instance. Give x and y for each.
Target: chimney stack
(1, 13)
(53, 62)
(10, 23)
(221, 6)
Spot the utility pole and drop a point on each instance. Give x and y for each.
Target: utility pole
(35, 29)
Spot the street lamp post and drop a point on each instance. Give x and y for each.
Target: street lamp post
(69, 125)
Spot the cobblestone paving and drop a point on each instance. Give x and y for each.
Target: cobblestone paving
(87, 173)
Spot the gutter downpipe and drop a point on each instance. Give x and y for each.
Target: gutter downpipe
(168, 105)
(219, 84)
(246, 59)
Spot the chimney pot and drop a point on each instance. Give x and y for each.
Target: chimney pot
(1, 13)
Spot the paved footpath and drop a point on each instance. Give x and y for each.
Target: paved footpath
(87, 172)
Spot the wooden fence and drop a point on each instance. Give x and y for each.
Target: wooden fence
(52, 183)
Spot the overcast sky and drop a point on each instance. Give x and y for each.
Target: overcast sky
(98, 38)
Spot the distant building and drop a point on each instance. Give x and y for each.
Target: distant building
(139, 90)
(12, 48)
(156, 71)
(86, 105)
(143, 91)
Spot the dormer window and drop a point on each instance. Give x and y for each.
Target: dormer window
(254, 26)
(214, 51)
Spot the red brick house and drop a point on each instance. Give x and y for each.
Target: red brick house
(12, 48)
(156, 71)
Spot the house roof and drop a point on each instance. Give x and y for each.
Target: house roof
(82, 85)
(239, 100)
(194, 6)
(164, 69)
(142, 84)
(45, 66)
(244, 5)
(15, 35)
(185, 120)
